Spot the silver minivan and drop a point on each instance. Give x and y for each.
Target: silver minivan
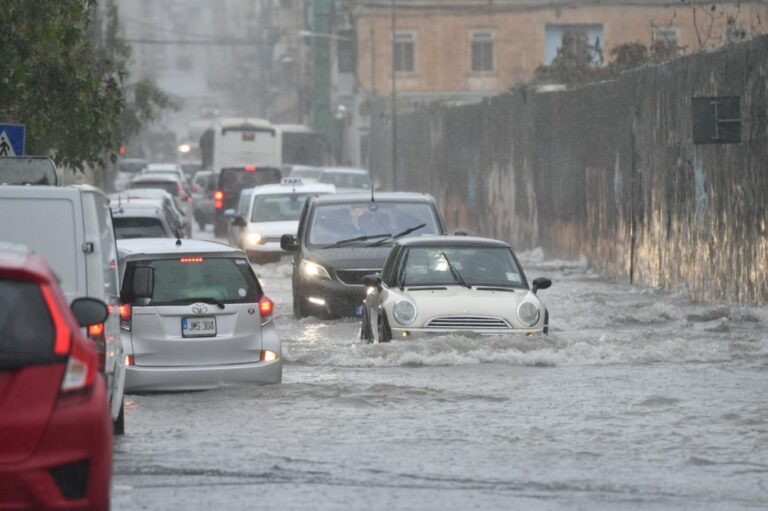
(194, 316)
(71, 227)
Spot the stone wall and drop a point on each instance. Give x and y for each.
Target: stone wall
(608, 171)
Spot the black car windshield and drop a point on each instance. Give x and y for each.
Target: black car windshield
(139, 227)
(278, 208)
(226, 279)
(476, 266)
(334, 223)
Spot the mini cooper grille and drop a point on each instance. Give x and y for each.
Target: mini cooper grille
(353, 277)
(468, 322)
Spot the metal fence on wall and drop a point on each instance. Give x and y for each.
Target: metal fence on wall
(608, 171)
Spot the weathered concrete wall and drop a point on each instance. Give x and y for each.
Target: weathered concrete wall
(609, 171)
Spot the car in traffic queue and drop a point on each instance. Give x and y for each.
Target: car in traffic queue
(155, 197)
(71, 227)
(194, 316)
(230, 182)
(127, 169)
(346, 179)
(203, 188)
(142, 220)
(171, 184)
(269, 212)
(173, 169)
(451, 284)
(55, 424)
(341, 238)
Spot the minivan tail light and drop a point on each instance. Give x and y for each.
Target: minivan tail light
(266, 307)
(218, 199)
(126, 314)
(250, 168)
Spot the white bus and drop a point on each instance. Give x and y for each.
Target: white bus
(236, 142)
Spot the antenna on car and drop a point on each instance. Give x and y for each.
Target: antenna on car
(373, 199)
(178, 238)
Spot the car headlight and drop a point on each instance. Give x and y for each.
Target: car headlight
(404, 312)
(253, 238)
(528, 313)
(314, 270)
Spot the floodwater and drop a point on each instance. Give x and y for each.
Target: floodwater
(638, 399)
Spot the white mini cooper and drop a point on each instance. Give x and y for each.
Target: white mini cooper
(451, 284)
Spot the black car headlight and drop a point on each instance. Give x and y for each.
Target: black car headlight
(314, 270)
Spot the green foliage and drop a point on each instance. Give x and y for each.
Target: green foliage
(64, 79)
(576, 62)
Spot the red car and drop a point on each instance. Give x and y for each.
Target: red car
(55, 425)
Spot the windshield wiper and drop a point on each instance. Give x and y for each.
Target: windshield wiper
(455, 273)
(358, 238)
(399, 234)
(204, 299)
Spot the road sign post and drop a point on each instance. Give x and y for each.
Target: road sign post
(12, 139)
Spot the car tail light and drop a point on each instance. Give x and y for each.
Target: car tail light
(218, 199)
(63, 339)
(268, 356)
(80, 372)
(250, 168)
(266, 307)
(190, 260)
(96, 334)
(126, 314)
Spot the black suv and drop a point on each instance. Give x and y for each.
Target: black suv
(344, 237)
(230, 182)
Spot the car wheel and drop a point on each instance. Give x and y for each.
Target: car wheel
(365, 327)
(385, 334)
(119, 423)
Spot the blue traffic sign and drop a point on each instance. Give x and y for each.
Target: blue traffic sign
(12, 139)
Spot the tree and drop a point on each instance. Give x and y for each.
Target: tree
(64, 79)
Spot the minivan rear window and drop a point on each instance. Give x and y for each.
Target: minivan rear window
(138, 227)
(191, 278)
(239, 178)
(27, 330)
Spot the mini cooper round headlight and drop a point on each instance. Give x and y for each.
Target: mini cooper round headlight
(404, 312)
(528, 313)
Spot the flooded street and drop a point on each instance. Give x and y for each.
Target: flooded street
(637, 399)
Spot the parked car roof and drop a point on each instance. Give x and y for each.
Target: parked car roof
(287, 187)
(156, 177)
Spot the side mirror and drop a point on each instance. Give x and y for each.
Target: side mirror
(89, 311)
(288, 243)
(541, 283)
(239, 221)
(230, 213)
(143, 282)
(460, 233)
(372, 280)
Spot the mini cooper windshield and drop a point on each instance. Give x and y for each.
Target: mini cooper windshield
(464, 266)
(187, 279)
(347, 224)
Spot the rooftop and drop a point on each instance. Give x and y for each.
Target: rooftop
(347, 198)
(451, 241)
(168, 247)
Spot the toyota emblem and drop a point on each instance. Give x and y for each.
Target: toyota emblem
(199, 308)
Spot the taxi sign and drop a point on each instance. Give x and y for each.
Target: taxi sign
(292, 181)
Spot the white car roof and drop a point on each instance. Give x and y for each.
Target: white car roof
(283, 188)
(158, 167)
(137, 248)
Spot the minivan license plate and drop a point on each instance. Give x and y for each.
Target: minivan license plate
(198, 327)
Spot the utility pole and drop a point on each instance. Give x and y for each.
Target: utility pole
(393, 26)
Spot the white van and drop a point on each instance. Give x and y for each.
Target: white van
(71, 227)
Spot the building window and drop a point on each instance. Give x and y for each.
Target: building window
(666, 41)
(482, 51)
(578, 38)
(405, 52)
